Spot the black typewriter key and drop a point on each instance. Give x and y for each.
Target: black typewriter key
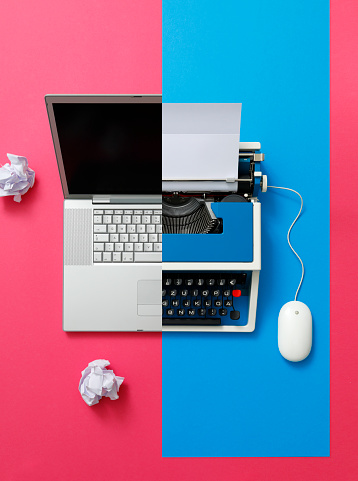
(194, 293)
(202, 312)
(181, 312)
(227, 293)
(184, 292)
(216, 292)
(186, 303)
(221, 282)
(197, 303)
(207, 302)
(205, 293)
(170, 312)
(235, 315)
(218, 303)
(228, 303)
(210, 282)
(175, 302)
(232, 282)
(168, 282)
(189, 282)
(165, 303)
(173, 292)
(222, 312)
(212, 312)
(191, 312)
(242, 279)
(199, 282)
(164, 292)
(178, 282)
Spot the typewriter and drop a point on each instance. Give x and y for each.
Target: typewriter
(212, 244)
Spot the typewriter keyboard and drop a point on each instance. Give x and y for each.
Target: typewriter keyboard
(127, 235)
(202, 298)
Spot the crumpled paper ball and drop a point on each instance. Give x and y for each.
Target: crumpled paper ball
(97, 381)
(16, 178)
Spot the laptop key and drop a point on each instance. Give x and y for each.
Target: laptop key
(138, 247)
(101, 237)
(117, 257)
(127, 257)
(100, 229)
(148, 257)
(107, 257)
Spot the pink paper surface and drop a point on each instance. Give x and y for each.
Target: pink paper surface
(48, 433)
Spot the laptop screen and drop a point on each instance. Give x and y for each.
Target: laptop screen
(111, 148)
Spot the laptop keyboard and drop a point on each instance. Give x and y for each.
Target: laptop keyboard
(127, 235)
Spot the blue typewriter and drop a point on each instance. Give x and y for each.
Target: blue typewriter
(211, 220)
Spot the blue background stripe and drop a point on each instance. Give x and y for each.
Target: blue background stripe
(234, 395)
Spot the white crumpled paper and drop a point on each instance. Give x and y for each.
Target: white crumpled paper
(97, 381)
(16, 178)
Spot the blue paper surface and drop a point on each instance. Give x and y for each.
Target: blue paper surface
(233, 394)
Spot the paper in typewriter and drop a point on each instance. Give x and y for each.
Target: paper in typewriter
(200, 146)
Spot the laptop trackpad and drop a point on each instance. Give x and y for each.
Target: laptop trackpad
(149, 298)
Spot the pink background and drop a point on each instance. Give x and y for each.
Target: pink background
(115, 47)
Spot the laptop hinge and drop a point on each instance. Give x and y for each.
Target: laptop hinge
(127, 199)
(101, 199)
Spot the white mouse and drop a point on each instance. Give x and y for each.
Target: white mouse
(295, 331)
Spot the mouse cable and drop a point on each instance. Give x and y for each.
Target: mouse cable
(289, 232)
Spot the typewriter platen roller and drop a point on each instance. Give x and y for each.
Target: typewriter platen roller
(212, 248)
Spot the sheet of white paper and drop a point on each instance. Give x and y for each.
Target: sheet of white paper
(200, 142)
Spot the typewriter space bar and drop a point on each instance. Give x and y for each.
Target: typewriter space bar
(147, 257)
(210, 321)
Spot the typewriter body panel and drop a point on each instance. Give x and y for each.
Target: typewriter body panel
(217, 269)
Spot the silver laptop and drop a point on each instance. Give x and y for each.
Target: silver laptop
(109, 154)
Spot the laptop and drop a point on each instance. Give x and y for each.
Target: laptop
(109, 155)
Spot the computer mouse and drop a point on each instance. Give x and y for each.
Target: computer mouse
(295, 331)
